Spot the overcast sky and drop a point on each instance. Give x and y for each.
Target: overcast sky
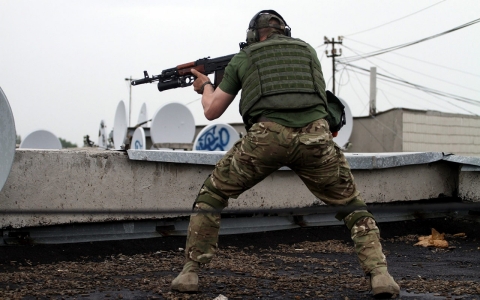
(63, 64)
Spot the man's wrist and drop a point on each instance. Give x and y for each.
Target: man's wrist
(202, 87)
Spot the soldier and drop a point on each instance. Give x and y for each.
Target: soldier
(283, 106)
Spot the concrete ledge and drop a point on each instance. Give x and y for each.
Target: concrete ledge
(102, 181)
(357, 161)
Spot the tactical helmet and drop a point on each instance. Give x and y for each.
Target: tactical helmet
(262, 20)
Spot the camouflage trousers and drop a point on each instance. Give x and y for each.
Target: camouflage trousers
(202, 234)
(366, 237)
(309, 151)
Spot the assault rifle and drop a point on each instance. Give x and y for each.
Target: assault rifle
(181, 76)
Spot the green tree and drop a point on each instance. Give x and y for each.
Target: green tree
(67, 144)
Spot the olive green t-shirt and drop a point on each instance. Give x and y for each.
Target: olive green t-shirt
(232, 84)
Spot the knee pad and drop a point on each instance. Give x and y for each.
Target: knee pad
(209, 195)
(355, 216)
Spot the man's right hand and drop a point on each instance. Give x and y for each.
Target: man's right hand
(201, 82)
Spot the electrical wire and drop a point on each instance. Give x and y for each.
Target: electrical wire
(193, 101)
(416, 59)
(417, 97)
(340, 80)
(422, 88)
(394, 48)
(388, 127)
(358, 96)
(323, 54)
(402, 80)
(428, 90)
(403, 91)
(395, 20)
(429, 76)
(373, 135)
(385, 95)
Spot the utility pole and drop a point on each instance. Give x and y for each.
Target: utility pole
(373, 91)
(130, 101)
(333, 54)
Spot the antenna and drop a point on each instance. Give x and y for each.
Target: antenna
(41, 139)
(7, 139)
(344, 134)
(102, 136)
(143, 116)
(172, 123)
(139, 142)
(120, 126)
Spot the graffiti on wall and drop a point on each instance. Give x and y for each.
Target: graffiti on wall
(213, 140)
(138, 145)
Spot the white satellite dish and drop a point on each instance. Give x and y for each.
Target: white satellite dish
(216, 137)
(8, 138)
(344, 134)
(139, 141)
(120, 126)
(172, 123)
(143, 116)
(41, 139)
(102, 135)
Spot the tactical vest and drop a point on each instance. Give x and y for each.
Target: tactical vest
(277, 66)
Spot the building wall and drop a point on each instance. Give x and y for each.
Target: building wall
(383, 133)
(404, 130)
(441, 132)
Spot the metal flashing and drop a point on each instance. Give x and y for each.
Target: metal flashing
(357, 161)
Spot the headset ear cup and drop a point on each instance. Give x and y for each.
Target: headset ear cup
(252, 36)
(288, 32)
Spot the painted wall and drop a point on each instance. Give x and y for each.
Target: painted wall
(440, 132)
(402, 130)
(380, 134)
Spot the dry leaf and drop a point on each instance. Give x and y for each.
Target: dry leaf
(436, 235)
(440, 243)
(434, 240)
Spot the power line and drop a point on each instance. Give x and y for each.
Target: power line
(422, 88)
(429, 76)
(379, 52)
(404, 81)
(416, 96)
(395, 19)
(420, 60)
(427, 89)
(374, 65)
(333, 53)
(385, 95)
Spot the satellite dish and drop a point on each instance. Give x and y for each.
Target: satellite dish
(216, 137)
(41, 139)
(143, 116)
(102, 135)
(120, 126)
(139, 141)
(172, 123)
(8, 138)
(344, 134)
